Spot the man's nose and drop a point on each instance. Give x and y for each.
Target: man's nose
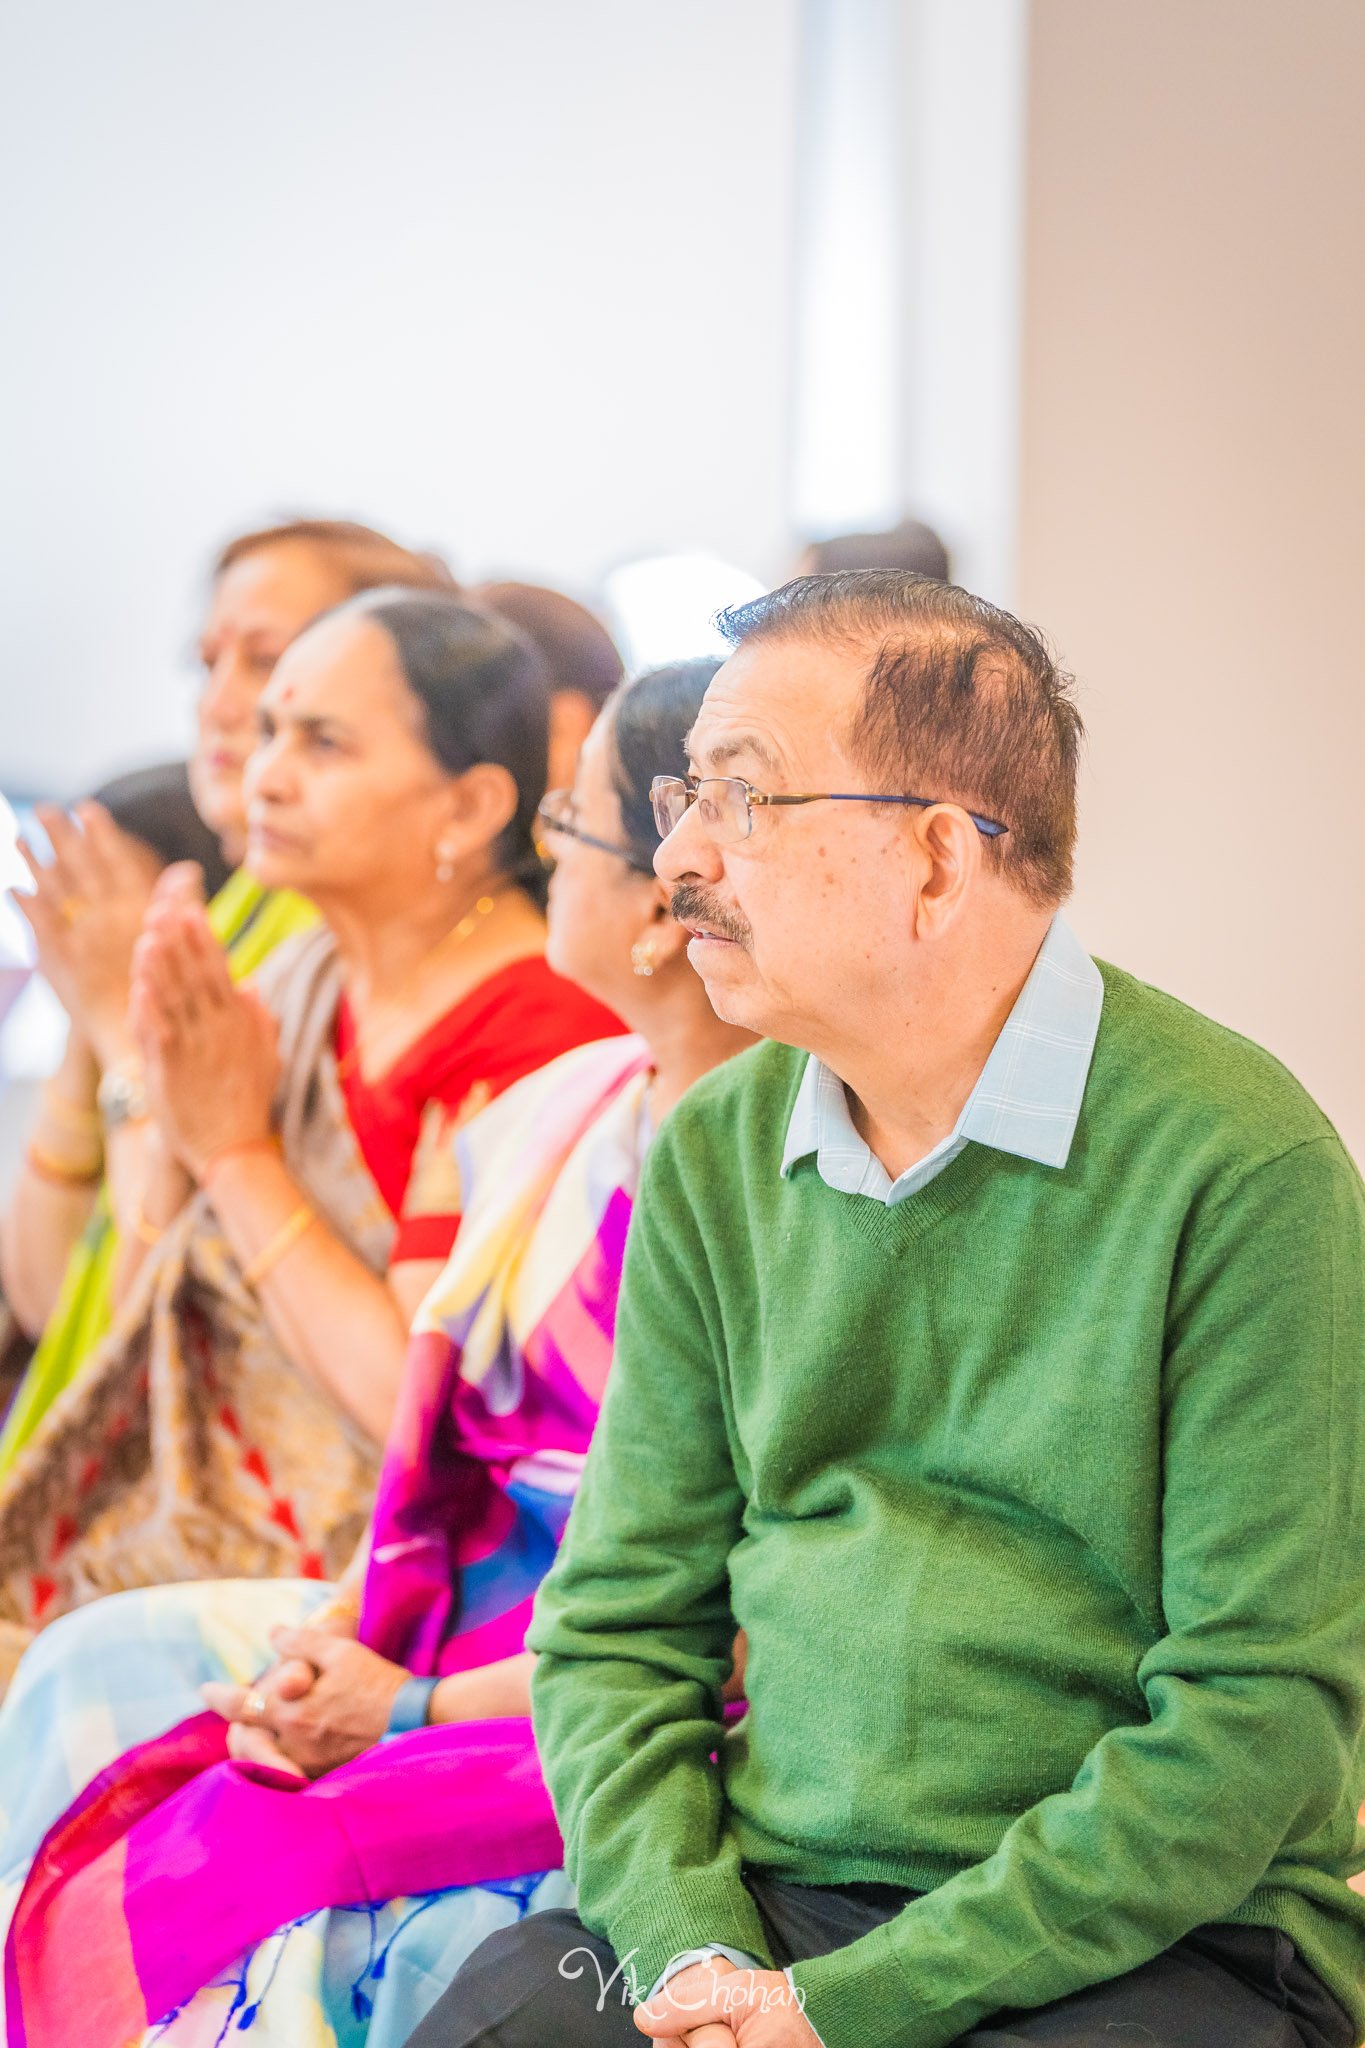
(688, 851)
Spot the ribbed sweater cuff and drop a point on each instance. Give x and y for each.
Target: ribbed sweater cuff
(857, 1997)
(696, 1910)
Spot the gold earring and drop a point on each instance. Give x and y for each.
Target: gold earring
(642, 957)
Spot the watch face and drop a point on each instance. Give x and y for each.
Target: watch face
(121, 1097)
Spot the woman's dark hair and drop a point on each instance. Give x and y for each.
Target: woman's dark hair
(578, 651)
(484, 697)
(154, 805)
(650, 720)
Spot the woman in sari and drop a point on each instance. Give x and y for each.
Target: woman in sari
(296, 1194)
(59, 1236)
(324, 1886)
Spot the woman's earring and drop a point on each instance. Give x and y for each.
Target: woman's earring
(445, 866)
(642, 957)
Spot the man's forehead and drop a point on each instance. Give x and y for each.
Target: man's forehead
(778, 701)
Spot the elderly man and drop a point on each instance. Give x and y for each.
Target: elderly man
(990, 1355)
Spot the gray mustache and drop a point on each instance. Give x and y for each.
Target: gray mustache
(691, 905)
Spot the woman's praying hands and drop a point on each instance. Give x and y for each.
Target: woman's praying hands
(85, 911)
(209, 1049)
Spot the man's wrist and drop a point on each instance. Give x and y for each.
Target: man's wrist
(677, 1964)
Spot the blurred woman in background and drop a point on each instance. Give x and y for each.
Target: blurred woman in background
(580, 656)
(286, 1166)
(154, 823)
(501, 1389)
(58, 1236)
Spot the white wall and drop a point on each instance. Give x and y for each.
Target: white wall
(512, 280)
(1193, 512)
(906, 313)
(963, 76)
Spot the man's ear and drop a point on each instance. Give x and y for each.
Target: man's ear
(949, 846)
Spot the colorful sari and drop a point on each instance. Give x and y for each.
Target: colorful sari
(190, 1447)
(249, 922)
(182, 1899)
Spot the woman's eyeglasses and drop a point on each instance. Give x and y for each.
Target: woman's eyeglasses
(555, 813)
(726, 804)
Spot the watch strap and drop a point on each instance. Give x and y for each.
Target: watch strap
(411, 1706)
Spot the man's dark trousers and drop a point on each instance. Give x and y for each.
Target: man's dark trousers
(548, 1983)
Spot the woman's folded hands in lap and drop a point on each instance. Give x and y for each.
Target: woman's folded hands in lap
(326, 1701)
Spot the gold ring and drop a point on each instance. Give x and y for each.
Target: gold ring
(73, 907)
(254, 1706)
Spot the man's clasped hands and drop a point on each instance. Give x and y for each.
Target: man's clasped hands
(714, 2004)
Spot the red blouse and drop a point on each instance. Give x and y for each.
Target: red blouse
(521, 1018)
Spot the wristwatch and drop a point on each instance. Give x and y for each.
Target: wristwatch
(411, 1706)
(122, 1096)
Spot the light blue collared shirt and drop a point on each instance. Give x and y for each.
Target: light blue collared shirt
(1026, 1099)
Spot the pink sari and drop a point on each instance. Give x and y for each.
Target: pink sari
(173, 1861)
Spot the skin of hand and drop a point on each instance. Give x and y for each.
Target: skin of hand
(209, 1050)
(289, 1679)
(727, 2008)
(315, 1722)
(86, 912)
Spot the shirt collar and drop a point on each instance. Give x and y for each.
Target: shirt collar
(1028, 1095)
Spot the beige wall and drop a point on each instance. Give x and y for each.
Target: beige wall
(1192, 516)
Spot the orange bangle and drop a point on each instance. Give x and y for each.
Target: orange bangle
(145, 1232)
(56, 1172)
(217, 1159)
(285, 1238)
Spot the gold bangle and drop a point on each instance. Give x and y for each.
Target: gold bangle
(284, 1239)
(57, 1171)
(339, 1609)
(145, 1232)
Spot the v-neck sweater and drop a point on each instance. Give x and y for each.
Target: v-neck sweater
(1040, 1498)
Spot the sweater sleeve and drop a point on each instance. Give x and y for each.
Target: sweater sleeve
(1253, 1693)
(633, 1623)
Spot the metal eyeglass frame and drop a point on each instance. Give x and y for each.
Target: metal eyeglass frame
(567, 830)
(989, 828)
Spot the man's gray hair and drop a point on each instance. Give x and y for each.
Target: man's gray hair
(963, 702)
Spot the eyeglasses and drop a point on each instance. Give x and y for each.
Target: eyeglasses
(555, 812)
(726, 804)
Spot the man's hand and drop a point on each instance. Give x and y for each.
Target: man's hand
(694, 1986)
(714, 2005)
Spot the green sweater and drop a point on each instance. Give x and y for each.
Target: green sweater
(1041, 1499)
